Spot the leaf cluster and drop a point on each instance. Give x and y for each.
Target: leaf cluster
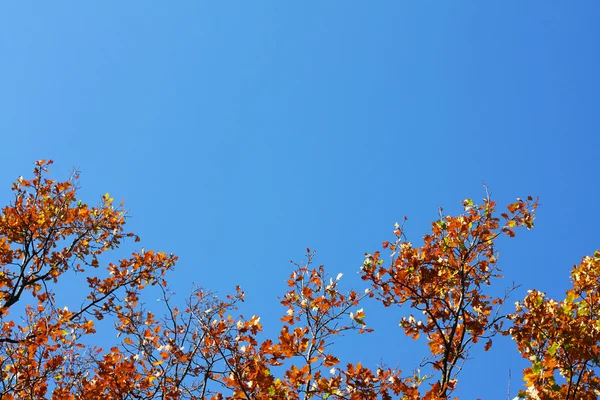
(205, 349)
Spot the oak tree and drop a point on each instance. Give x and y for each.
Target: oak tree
(205, 349)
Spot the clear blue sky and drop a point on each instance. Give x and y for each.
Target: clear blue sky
(239, 133)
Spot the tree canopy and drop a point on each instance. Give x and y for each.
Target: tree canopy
(204, 349)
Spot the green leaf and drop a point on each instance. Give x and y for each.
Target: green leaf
(582, 309)
(553, 349)
(539, 301)
(468, 203)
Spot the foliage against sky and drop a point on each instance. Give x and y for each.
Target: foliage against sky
(205, 349)
(314, 125)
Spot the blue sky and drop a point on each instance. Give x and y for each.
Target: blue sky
(239, 134)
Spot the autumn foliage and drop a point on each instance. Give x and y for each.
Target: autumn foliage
(204, 349)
